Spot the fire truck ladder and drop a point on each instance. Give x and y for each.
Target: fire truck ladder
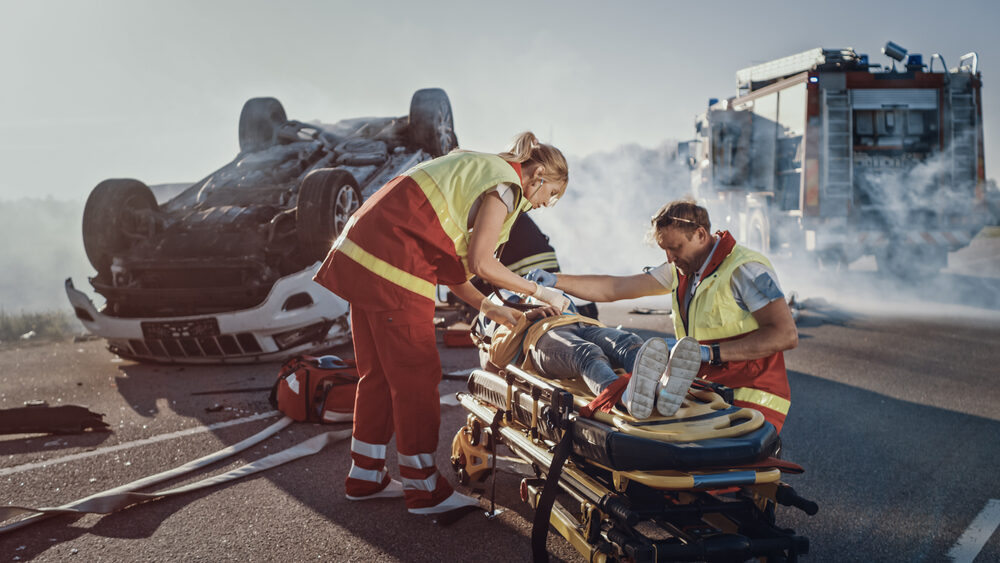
(837, 186)
(963, 138)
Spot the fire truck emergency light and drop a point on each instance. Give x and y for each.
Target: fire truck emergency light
(893, 51)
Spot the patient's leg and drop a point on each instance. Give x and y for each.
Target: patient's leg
(619, 346)
(564, 353)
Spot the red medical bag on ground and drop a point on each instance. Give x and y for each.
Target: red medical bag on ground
(316, 389)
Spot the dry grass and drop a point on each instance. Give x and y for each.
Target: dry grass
(51, 325)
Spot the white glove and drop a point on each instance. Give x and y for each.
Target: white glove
(551, 296)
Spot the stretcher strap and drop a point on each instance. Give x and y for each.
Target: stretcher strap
(494, 433)
(543, 510)
(608, 398)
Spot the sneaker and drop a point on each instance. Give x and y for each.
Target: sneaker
(455, 502)
(682, 367)
(650, 363)
(393, 490)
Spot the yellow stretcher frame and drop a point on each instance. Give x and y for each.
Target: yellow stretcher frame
(527, 442)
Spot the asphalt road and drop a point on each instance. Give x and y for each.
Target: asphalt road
(894, 416)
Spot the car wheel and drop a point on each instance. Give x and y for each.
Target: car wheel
(432, 127)
(259, 123)
(116, 212)
(327, 199)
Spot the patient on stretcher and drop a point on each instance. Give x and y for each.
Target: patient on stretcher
(571, 345)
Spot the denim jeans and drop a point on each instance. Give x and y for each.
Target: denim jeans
(587, 351)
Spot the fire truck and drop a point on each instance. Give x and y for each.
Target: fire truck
(826, 153)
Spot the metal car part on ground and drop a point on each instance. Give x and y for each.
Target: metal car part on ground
(222, 271)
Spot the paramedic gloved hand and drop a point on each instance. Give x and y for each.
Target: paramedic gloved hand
(506, 316)
(541, 277)
(551, 296)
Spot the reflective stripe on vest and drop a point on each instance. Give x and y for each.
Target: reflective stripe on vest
(385, 270)
(763, 399)
(713, 313)
(543, 260)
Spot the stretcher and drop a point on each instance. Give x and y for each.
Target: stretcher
(701, 485)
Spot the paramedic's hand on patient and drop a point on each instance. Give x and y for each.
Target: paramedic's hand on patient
(542, 277)
(541, 312)
(551, 296)
(506, 316)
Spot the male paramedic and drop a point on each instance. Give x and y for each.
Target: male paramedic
(724, 295)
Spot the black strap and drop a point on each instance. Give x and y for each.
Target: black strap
(494, 432)
(543, 510)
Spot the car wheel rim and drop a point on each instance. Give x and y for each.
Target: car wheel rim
(444, 130)
(347, 204)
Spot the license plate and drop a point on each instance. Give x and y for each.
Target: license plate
(195, 328)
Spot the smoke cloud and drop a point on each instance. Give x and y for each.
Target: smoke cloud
(41, 244)
(600, 224)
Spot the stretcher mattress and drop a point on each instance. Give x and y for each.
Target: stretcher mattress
(705, 433)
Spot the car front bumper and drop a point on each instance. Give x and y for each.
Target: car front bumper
(298, 316)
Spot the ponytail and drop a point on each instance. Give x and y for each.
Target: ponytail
(526, 148)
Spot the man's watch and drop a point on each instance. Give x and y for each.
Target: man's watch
(716, 357)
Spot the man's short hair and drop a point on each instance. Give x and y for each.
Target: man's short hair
(683, 214)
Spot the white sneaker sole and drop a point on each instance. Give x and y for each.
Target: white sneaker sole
(650, 363)
(682, 367)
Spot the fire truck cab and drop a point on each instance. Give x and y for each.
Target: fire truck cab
(826, 153)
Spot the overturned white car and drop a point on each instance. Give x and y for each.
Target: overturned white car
(222, 272)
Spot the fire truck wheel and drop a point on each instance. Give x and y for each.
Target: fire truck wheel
(831, 261)
(327, 199)
(911, 263)
(117, 211)
(431, 125)
(259, 123)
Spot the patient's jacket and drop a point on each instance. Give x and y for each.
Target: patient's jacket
(505, 345)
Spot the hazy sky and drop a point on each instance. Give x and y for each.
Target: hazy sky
(153, 90)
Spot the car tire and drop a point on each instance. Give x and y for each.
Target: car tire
(327, 199)
(432, 127)
(115, 209)
(259, 123)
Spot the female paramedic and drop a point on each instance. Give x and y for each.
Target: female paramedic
(438, 223)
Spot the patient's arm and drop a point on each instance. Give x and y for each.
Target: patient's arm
(541, 312)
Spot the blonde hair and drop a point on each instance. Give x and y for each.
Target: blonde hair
(527, 149)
